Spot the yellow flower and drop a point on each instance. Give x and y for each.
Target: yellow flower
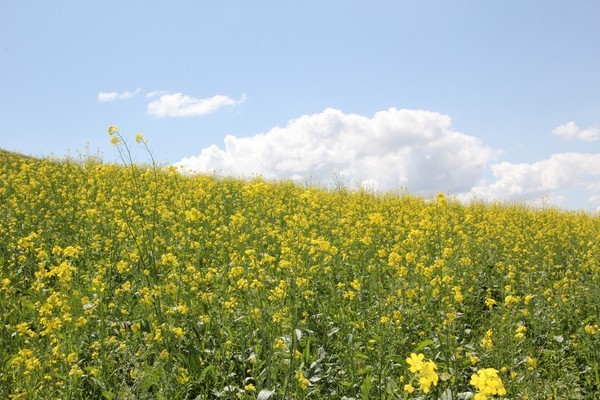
(520, 332)
(113, 129)
(487, 382)
(183, 376)
(75, 371)
(409, 388)
(139, 138)
(490, 303)
(487, 342)
(591, 329)
(531, 363)
(349, 295)
(425, 370)
(457, 294)
(115, 140)
(280, 344)
(416, 362)
(178, 332)
(71, 358)
(302, 381)
(428, 376)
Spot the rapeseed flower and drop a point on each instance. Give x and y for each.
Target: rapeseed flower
(488, 383)
(302, 380)
(416, 362)
(424, 370)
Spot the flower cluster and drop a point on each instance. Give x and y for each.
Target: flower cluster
(424, 372)
(488, 383)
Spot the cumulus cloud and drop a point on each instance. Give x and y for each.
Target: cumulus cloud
(414, 149)
(540, 179)
(112, 96)
(180, 105)
(571, 131)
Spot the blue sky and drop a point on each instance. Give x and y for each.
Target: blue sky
(492, 99)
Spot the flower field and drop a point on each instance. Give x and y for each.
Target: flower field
(134, 281)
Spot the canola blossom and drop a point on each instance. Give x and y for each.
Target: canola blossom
(136, 281)
(425, 372)
(488, 383)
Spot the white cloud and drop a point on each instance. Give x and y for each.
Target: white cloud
(155, 93)
(112, 96)
(594, 202)
(540, 179)
(414, 149)
(571, 131)
(179, 105)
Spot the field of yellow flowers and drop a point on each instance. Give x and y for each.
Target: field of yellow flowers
(135, 281)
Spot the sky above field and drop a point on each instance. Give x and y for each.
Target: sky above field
(488, 99)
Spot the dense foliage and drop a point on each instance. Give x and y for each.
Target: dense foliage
(137, 281)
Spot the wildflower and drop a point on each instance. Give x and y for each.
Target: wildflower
(349, 295)
(520, 332)
(280, 344)
(70, 251)
(428, 376)
(139, 138)
(487, 382)
(487, 342)
(531, 363)
(302, 381)
(490, 303)
(591, 329)
(425, 370)
(416, 362)
(71, 358)
(75, 371)
(23, 329)
(528, 298)
(113, 129)
(409, 388)
(509, 300)
(115, 140)
(457, 294)
(178, 331)
(183, 376)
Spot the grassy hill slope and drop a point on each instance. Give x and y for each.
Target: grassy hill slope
(124, 281)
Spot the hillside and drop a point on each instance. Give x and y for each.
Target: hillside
(125, 281)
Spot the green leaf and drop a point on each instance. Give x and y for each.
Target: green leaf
(365, 388)
(206, 370)
(422, 345)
